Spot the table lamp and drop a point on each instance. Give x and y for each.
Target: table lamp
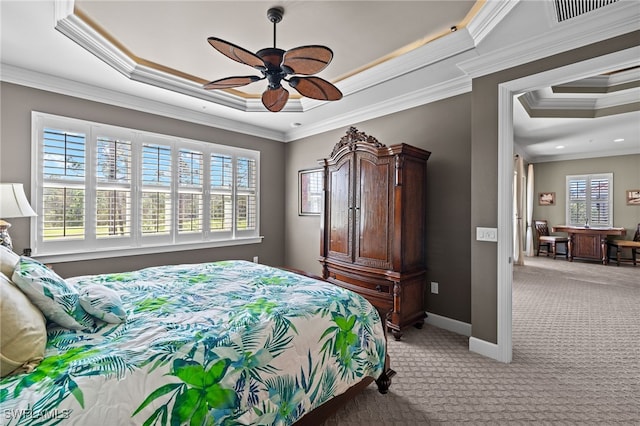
(13, 203)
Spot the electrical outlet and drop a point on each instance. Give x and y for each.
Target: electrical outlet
(255, 259)
(434, 287)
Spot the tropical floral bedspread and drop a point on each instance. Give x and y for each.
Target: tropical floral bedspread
(229, 343)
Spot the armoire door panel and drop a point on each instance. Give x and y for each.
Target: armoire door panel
(340, 216)
(372, 212)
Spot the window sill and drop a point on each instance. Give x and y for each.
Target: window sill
(104, 254)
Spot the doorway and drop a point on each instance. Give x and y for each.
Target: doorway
(506, 94)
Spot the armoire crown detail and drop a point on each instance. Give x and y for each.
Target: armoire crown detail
(352, 137)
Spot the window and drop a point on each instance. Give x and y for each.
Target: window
(589, 200)
(100, 188)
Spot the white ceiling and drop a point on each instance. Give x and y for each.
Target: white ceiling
(388, 56)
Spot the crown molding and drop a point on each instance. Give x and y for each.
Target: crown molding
(28, 78)
(610, 21)
(584, 155)
(489, 17)
(390, 105)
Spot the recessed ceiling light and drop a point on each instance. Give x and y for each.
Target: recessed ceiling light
(619, 140)
(560, 147)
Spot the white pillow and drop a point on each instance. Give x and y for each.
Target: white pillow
(58, 300)
(23, 334)
(8, 261)
(103, 303)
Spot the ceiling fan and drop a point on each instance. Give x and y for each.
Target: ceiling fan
(277, 65)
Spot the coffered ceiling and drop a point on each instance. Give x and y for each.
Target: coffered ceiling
(388, 56)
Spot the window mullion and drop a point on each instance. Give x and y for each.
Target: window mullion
(136, 194)
(206, 194)
(90, 187)
(234, 196)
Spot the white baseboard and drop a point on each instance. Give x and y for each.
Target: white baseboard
(448, 324)
(482, 347)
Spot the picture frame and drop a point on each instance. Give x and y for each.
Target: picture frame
(546, 198)
(310, 192)
(633, 197)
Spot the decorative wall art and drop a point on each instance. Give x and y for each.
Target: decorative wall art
(633, 197)
(546, 198)
(310, 192)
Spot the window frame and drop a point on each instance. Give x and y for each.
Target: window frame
(588, 199)
(91, 247)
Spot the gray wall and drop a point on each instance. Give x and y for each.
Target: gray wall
(444, 129)
(484, 176)
(551, 177)
(17, 102)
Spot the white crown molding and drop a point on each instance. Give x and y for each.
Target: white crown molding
(610, 21)
(62, 86)
(538, 101)
(388, 106)
(583, 155)
(489, 17)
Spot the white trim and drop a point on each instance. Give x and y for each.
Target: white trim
(55, 258)
(63, 86)
(505, 227)
(482, 347)
(506, 92)
(449, 324)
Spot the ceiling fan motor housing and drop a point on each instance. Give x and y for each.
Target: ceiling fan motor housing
(274, 72)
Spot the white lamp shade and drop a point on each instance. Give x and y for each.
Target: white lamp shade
(13, 201)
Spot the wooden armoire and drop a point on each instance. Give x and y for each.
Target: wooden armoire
(373, 225)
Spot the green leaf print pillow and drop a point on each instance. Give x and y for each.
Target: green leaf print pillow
(58, 300)
(103, 303)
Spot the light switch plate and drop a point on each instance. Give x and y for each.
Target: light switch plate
(487, 234)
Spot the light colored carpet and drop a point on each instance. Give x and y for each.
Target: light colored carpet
(576, 359)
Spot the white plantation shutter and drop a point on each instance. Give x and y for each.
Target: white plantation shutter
(100, 188)
(190, 191)
(113, 188)
(63, 162)
(221, 193)
(589, 200)
(246, 200)
(600, 202)
(156, 189)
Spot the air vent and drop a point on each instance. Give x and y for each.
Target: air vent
(567, 9)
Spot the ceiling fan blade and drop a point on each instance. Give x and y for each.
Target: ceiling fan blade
(275, 99)
(229, 82)
(236, 53)
(307, 60)
(315, 88)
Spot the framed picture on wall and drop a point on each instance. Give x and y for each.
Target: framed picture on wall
(309, 192)
(633, 197)
(546, 198)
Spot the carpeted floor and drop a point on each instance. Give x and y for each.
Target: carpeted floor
(576, 359)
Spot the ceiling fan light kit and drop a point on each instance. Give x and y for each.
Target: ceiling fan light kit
(295, 66)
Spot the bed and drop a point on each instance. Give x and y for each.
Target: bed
(229, 342)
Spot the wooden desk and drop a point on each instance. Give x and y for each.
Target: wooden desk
(588, 243)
